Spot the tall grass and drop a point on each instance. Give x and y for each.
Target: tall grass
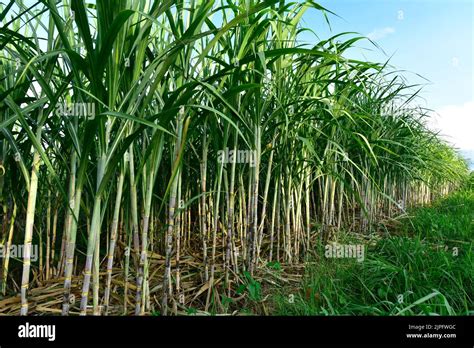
(334, 142)
(426, 269)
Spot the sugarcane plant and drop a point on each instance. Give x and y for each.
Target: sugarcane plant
(138, 134)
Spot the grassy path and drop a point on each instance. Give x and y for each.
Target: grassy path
(425, 267)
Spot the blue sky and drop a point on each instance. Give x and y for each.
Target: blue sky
(432, 38)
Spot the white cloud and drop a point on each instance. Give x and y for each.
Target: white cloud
(380, 33)
(456, 124)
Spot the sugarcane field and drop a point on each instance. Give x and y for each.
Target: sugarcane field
(243, 158)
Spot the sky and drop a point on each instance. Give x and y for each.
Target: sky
(428, 38)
